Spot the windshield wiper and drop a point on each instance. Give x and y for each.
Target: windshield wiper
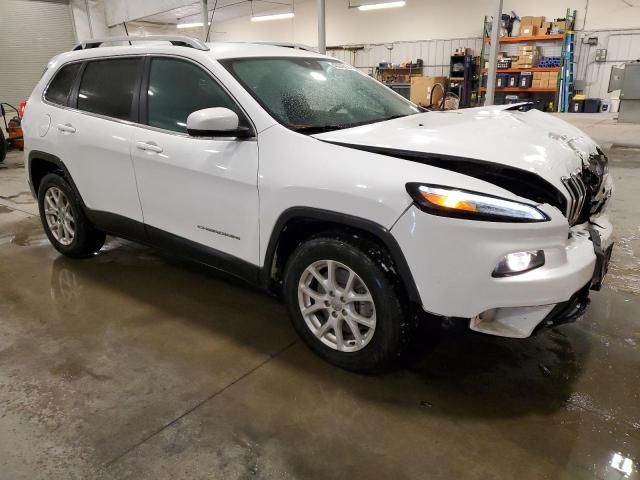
(311, 129)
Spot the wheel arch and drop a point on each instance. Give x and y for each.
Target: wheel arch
(40, 164)
(298, 224)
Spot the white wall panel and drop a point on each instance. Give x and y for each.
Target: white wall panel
(31, 33)
(622, 46)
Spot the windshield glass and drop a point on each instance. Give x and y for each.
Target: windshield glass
(315, 95)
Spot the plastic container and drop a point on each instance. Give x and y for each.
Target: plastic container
(592, 105)
(526, 78)
(576, 106)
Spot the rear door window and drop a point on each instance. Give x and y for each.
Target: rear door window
(60, 86)
(108, 87)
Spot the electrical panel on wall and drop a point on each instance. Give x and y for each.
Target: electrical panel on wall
(601, 55)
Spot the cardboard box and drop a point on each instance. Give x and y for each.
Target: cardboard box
(460, 51)
(527, 49)
(546, 26)
(537, 21)
(559, 26)
(421, 88)
(528, 30)
(526, 21)
(530, 60)
(538, 80)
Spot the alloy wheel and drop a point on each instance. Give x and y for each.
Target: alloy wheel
(59, 216)
(337, 306)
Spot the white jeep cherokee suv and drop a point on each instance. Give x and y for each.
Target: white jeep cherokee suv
(300, 174)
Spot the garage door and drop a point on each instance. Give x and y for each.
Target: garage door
(31, 32)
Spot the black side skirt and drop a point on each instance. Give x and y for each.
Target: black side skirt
(120, 226)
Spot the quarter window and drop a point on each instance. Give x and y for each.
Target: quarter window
(108, 87)
(178, 88)
(60, 86)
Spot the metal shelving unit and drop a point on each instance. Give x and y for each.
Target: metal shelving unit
(460, 81)
(567, 62)
(527, 39)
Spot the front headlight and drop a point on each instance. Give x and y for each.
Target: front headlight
(458, 203)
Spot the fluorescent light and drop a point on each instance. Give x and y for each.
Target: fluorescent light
(380, 6)
(190, 25)
(277, 16)
(318, 76)
(622, 464)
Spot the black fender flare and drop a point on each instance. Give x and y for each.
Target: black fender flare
(48, 157)
(379, 232)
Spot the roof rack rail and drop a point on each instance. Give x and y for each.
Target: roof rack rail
(297, 46)
(176, 40)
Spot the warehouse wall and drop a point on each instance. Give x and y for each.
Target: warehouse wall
(418, 31)
(31, 32)
(421, 20)
(622, 46)
(415, 31)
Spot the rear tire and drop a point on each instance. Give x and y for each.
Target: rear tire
(64, 220)
(373, 330)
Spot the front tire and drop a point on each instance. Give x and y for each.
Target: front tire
(64, 220)
(344, 305)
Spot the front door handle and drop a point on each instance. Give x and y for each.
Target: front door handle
(66, 128)
(149, 147)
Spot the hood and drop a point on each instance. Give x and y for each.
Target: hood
(526, 152)
(533, 141)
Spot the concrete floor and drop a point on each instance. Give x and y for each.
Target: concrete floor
(132, 365)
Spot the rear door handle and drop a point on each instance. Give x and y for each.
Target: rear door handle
(149, 147)
(66, 128)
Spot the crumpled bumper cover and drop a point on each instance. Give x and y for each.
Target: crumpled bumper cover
(452, 260)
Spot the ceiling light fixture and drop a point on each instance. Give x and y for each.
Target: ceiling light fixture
(380, 6)
(277, 16)
(190, 25)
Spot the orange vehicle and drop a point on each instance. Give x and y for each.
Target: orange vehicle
(13, 127)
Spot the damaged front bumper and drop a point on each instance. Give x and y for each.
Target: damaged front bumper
(521, 322)
(451, 261)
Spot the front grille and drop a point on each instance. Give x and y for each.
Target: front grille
(579, 206)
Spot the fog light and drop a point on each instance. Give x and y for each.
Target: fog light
(519, 262)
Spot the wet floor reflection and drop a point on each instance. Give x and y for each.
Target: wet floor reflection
(538, 395)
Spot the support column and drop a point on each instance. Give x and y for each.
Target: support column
(322, 38)
(493, 55)
(205, 19)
